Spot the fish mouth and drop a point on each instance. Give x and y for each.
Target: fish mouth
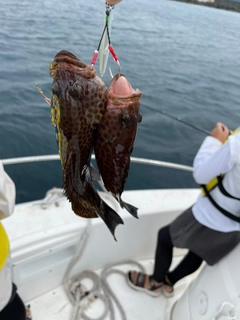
(70, 63)
(121, 88)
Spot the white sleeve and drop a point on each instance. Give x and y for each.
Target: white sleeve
(234, 143)
(7, 194)
(212, 159)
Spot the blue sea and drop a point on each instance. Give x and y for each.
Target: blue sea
(184, 58)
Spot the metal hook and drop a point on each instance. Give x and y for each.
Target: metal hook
(119, 67)
(119, 70)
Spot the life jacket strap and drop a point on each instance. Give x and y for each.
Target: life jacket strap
(223, 211)
(223, 190)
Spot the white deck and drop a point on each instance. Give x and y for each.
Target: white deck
(137, 305)
(45, 235)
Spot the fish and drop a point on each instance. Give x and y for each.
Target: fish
(78, 102)
(115, 138)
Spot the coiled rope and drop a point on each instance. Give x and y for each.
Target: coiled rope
(81, 298)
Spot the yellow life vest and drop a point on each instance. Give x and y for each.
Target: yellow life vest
(211, 185)
(4, 246)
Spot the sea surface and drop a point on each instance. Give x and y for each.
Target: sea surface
(184, 58)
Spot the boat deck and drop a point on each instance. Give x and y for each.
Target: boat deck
(136, 305)
(50, 244)
(46, 236)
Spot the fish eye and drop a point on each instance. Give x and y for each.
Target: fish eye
(126, 120)
(139, 117)
(56, 89)
(76, 90)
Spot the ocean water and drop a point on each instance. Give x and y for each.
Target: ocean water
(184, 58)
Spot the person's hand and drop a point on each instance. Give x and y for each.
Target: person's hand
(220, 132)
(113, 2)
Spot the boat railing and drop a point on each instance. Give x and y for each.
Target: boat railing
(54, 157)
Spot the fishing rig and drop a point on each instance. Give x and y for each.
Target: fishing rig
(105, 46)
(103, 49)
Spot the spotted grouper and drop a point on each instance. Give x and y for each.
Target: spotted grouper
(115, 137)
(78, 103)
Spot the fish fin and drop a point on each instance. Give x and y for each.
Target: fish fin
(43, 95)
(130, 208)
(76, 190)
(91, 173)
(94, 173)
(110, 217)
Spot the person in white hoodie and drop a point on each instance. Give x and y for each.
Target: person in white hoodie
(210, 228)
(11, 305)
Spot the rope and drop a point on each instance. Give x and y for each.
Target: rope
(53, 196)
(81, 297)
(108, 270)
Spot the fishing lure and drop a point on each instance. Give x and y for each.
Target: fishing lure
(104, 46)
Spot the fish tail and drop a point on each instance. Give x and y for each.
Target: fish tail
(130, 208)
(110, 217)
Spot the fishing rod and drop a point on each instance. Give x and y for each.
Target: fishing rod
(180, 120)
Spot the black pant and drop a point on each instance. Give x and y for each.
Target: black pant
(163, 259)
(15, 309)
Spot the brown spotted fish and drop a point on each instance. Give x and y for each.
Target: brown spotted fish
(78, 103)
(115, 137)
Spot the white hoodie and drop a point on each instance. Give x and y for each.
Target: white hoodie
(7, 202)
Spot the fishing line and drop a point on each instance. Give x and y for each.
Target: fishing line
(109, 8)
(105, 28)
(179, 120)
